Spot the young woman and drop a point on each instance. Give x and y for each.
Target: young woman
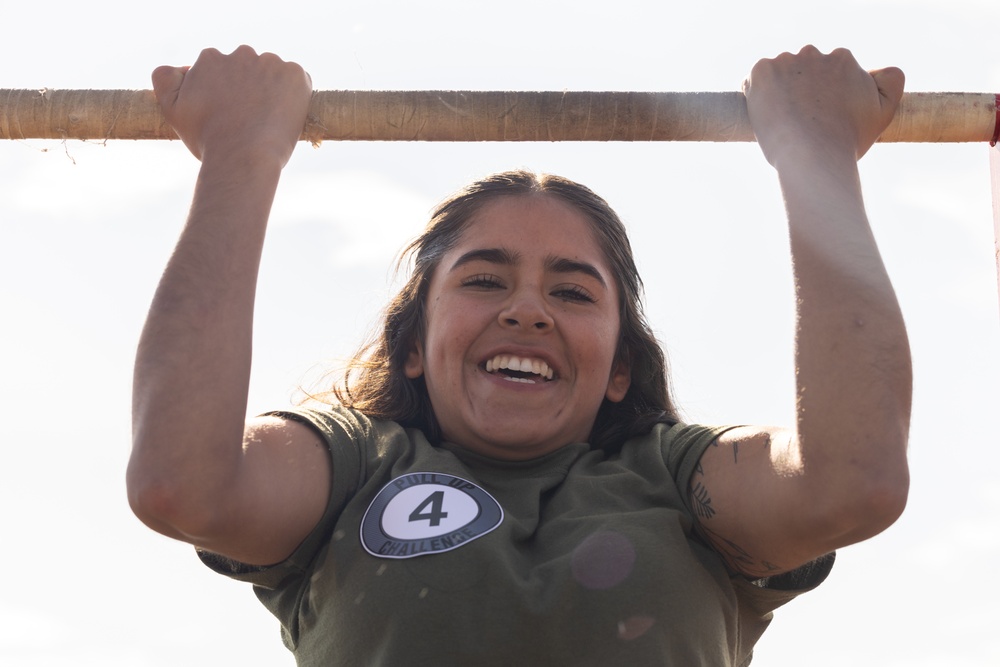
(503, 479)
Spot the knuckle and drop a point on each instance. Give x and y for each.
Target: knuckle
(244, 50)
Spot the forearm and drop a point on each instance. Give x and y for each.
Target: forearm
(193, 361)
(853, 373)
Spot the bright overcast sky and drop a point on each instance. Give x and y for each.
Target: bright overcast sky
(86, 230)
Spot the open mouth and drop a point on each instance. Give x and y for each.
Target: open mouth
(519, 369)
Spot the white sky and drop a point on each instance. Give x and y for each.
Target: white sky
(85, 230)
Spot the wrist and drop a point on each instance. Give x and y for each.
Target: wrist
(236, 189)
(244, 158)
(798, 154)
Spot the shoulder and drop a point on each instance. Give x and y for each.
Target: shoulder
(336, 424)
(682, 445)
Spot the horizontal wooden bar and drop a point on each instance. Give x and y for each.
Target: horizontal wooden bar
(339, 115)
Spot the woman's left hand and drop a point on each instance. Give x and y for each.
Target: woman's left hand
(773, 499)
(824, 103)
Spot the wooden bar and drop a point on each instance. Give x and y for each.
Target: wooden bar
(483, 116)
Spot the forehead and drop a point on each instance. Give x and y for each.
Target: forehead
(533, 225)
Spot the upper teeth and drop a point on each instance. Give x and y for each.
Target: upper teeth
(525, 365)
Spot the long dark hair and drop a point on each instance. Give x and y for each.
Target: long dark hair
(374, 382)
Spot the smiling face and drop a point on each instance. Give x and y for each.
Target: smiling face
(522, 330)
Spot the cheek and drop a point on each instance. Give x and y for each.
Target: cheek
(447, 345)
(598, 350)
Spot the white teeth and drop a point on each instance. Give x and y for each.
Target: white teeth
(524, 365)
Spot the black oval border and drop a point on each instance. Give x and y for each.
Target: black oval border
(373, 539)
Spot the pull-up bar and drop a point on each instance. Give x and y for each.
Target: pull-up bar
(486, 116)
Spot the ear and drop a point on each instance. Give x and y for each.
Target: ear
(413, 367)
(619, 382)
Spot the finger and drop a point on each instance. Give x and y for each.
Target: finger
(167, 82)
(890, 82)
(244, 50)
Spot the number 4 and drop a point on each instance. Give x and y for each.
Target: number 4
(435, 500)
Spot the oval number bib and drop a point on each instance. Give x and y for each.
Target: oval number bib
(427, 512)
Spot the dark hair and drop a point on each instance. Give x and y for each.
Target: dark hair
(374, 382)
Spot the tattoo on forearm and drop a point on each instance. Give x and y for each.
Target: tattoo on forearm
(734, 553)
(769, 566)
(701, 501)
(738, 557)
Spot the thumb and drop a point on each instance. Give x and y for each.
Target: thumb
(167, 82)
(890, 81)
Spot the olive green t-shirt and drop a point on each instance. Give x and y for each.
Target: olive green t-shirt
(432, 555)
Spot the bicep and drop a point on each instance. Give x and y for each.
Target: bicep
(752, 504)
(278, 495)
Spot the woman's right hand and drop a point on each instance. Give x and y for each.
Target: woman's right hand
(244, 104)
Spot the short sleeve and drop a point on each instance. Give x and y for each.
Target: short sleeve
(682, 446)
(346, 435)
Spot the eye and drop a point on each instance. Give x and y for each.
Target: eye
(574, 293)
(483, 281)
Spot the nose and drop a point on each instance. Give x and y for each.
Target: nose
(526, 310)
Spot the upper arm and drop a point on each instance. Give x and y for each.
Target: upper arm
(276, 496)
(756, 505)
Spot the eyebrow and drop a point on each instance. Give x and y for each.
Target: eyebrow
(505, 257)
(563, 265)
